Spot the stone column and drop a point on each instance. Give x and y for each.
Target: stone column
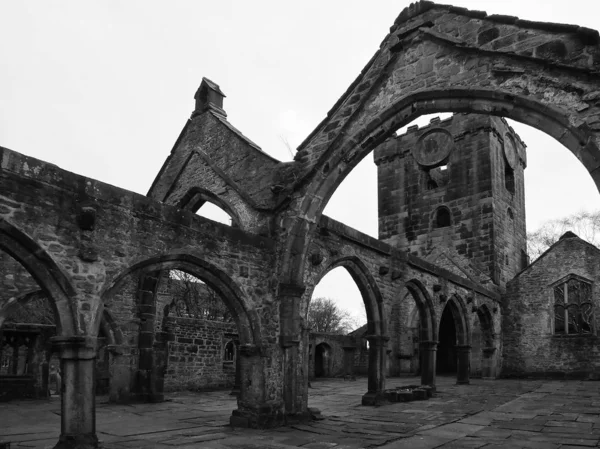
(159, 368)
(463, 354)
(78, 399)
(253, 411)
(146, 294)
(488, 363)
(235, 391)
(428, 352)
(120, 374)
(376, 371)
(295, 386)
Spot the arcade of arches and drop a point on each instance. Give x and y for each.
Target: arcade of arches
(447, 286)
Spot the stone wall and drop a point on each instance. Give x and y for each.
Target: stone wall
(196, 352)
(531, 347)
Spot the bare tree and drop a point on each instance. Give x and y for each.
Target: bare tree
(194, 299)
(585, 224)
(325, 316)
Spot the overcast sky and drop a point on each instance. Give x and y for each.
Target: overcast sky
(103, 88)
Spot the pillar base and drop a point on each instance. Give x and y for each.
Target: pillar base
(432, 387)
(77, 442)
(264, 417)
(463, 382)
(373, 398)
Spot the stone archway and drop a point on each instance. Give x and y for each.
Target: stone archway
(322, 360)
(455, 350)
(471, 63)
(376, 332)
(428, 331)
(487, 347)
(248, 413)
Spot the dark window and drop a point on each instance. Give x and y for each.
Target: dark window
(573, 308)
(437, 177)
(442, 218)
(509, 179)
(229, 353)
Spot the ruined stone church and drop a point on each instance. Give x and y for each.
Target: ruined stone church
(448, 286)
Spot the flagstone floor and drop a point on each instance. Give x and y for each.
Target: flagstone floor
(485, 414)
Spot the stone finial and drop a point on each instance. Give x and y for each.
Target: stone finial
(209, 97)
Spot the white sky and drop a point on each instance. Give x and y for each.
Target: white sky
(103, 88)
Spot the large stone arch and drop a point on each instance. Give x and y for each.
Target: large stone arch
(349, 152)
(456, 306)
(46, 273)
(376, 324)
(438, 58)
(367, 286)
(248, 414)
(246, 318)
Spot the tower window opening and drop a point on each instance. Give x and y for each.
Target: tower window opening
(437, 177)
(509, 179)
(442, 218)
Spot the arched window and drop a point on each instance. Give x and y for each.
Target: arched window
(229, 352)
(573, 308)
(442, 217)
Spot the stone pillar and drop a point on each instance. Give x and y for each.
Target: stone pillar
(235, 391)
(253, 411)
(428, 352)
(120, 374)
(78, 399)
(376, 371)
(146, 294)
(463, 354)
(295, 380)
(159, 368)
(488, 363)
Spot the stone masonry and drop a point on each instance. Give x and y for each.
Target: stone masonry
(80, 239)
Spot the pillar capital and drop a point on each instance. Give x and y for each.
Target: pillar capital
(377, 339)
(428, 345)
(249, 350)
(489, 350)
(462, 348)
(75, 347)
(293, 290)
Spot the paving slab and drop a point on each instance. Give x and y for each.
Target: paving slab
(485, 414)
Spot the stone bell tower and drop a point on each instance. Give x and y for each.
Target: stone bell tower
(456, 184)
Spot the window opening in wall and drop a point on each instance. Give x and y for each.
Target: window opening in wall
(437, 176)
(509, 179)
(229, 353)
(573, 308)
(510, 214)
(215, 213)
(442, 218)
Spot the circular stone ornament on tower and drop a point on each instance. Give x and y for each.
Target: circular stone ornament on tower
(510, 152)
(433, 147)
